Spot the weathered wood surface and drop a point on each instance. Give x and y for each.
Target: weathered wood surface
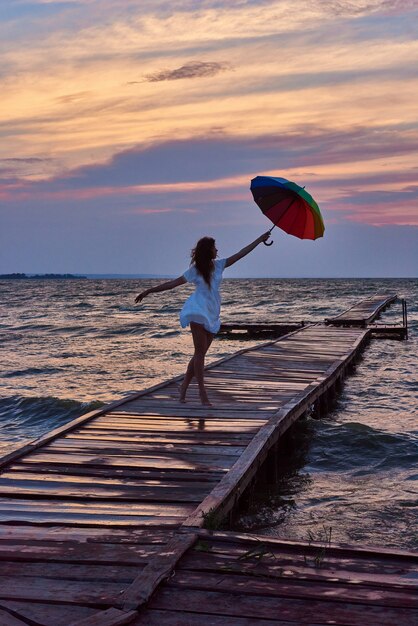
(87, 512)
(156, 571)
(258, 329)
(364, 312)
(111, 617)
(7, 618)
(228, 578)
(395, 331)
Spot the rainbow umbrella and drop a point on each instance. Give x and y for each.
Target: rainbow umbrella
(288, 206)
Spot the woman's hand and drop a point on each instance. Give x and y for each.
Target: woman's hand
(265, 236)
(141, 296)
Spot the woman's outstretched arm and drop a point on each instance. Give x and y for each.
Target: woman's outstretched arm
(171, 284)
(239, 255)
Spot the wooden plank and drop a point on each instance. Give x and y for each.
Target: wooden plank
(178, 462)
(12, 478)
(89, 519)
(51, 511)
(176, 418)
(190, 431)
(251, 539)
(221, 411)
(254, 583)
(24, 533)
(191, 423)
(10, 619)
(287, 569)
(192, 405)
(186, 618)
(63, 446)
(235, 382)
(38, 486)
(296, 610)
(137, 473)
(49, 505)
(112, 572)
(155, 572)
(44, 614)
(228, 393)
(301, 555)
(95, 593)
(198, 438)
(76, 553)
(111, 617)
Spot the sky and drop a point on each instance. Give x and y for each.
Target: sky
(129, 129)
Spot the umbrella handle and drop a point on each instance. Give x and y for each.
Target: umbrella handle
(271, 242)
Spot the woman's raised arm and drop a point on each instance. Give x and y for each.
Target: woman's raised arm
(242, 253)
(171, 284)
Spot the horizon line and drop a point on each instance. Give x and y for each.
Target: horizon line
(156, 276)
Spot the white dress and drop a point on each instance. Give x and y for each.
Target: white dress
(204, 305)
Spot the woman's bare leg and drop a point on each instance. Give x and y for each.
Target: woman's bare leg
(201, 340)
(187, 380)
(190, 370)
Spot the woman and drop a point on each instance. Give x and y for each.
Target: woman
(201, 310)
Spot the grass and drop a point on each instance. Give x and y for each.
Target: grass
(323, 538)
(211, 520)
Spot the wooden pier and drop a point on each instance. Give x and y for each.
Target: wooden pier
(96, 514)
(364, 312)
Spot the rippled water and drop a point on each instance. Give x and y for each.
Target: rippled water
(68, 346)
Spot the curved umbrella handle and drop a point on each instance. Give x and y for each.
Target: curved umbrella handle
(271, 242)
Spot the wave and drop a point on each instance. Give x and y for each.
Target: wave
(30, 417)
(165, 334)
(131, 329)
(30, 371)
(359, 448)
(128, 308)
(72, 329)
(26, 327)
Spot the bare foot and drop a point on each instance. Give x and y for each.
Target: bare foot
(206, 402)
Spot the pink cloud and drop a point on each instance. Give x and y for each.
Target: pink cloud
(401, 214)
(142, 211)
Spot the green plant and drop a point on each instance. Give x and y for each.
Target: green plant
(211, 519)
(253, 558)
(323, 538)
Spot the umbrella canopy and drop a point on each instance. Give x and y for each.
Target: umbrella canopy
(288, 206)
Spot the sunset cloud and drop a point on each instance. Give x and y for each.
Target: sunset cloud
(193, 69)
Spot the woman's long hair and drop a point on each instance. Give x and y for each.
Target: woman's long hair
(202, 257)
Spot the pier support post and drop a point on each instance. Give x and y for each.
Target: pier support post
(323, 403)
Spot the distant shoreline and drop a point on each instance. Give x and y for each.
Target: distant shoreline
(21, 276)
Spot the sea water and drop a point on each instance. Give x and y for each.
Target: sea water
(68, 346)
